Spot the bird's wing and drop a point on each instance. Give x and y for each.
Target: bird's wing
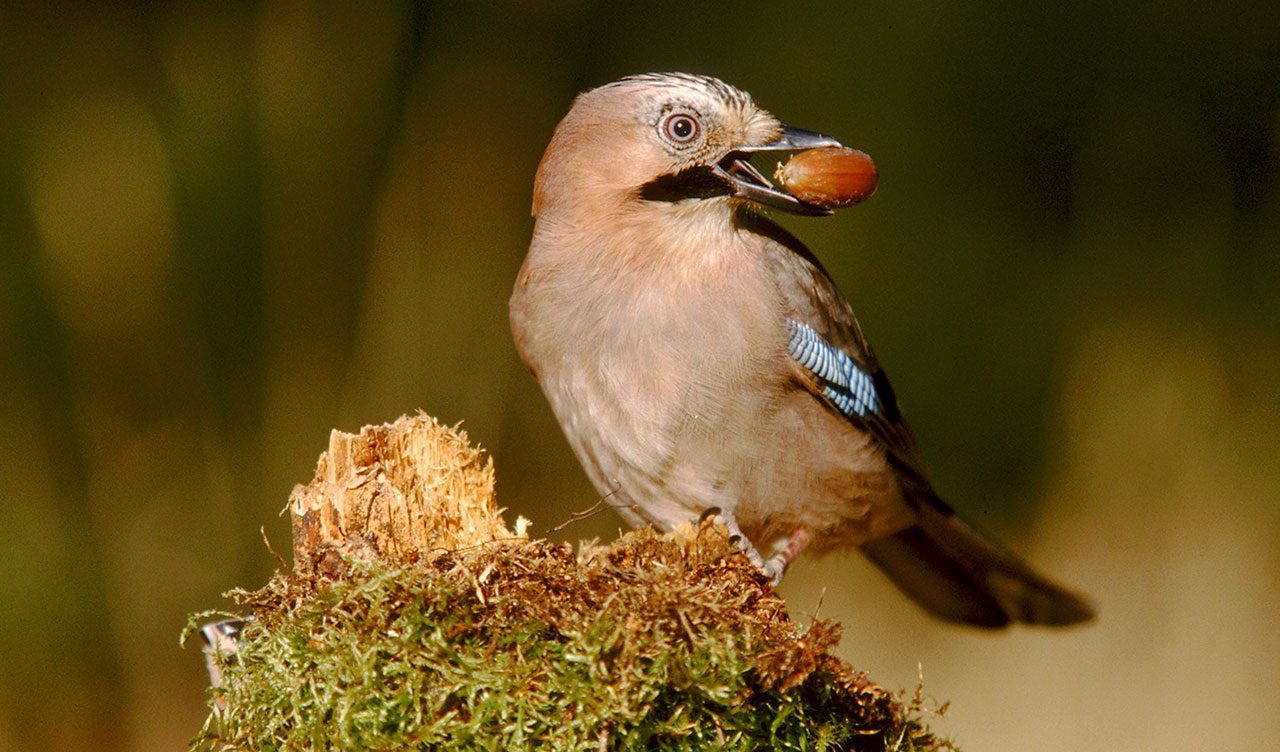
(832, 355)
(943, 562)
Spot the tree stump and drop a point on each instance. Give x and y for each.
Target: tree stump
(397, 492)
(413, 618)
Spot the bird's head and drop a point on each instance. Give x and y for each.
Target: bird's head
(666, 137)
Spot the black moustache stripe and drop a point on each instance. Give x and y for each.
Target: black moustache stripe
(695, 182)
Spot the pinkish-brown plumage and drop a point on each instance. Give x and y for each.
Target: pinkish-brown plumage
(699, 358)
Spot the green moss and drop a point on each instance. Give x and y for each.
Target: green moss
(648, 644)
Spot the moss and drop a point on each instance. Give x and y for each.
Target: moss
(651, 643)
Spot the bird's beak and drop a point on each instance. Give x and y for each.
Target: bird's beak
(746, 181)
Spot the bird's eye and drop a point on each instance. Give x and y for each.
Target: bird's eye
(681, 128)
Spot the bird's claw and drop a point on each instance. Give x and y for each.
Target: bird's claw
(773, 567)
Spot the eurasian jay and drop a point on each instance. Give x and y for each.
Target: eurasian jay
(701, 361)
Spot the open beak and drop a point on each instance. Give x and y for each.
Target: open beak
(746, 181)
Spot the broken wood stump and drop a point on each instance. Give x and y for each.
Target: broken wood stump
(414, 618)
(397, 492)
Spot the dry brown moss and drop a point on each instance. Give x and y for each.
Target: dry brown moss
(414, 619)
(650, 643)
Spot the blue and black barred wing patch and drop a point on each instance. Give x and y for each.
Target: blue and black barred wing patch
(847, 386)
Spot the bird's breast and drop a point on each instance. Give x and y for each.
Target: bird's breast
(653, 368)
(667, 367)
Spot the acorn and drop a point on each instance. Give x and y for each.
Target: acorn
(832, 177)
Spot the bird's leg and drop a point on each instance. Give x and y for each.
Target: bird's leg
(773, 569)
(786, 550)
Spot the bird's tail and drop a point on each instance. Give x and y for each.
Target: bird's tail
(961, 575)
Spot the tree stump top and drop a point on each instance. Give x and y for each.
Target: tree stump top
(397, 492)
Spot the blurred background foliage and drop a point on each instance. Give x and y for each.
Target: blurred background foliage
(226, 229)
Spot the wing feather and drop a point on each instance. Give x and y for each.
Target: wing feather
(831, 352)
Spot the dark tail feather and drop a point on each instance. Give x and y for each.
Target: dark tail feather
(960, 575)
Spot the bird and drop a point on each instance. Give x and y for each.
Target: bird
(701, 361)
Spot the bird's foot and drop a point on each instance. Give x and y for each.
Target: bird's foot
(773, 567)
(786, 550)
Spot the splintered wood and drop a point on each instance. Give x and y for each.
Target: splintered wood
(399, 491)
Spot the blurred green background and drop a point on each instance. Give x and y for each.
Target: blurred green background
(225, 230)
